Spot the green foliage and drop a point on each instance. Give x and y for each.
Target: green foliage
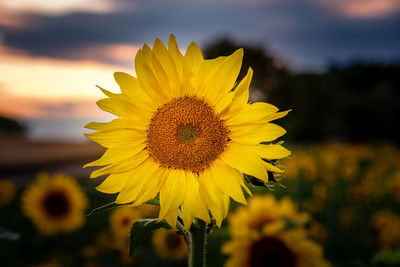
(387, 258)
(103, 208)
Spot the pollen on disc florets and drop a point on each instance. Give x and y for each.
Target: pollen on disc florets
(185, 133)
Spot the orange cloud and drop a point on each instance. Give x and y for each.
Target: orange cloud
(11, 19)
(31, 107)
(60, 6)
(120, 53)
(26, 75)
(43, 87)
(364, 8)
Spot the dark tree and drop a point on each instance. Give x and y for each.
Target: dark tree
(266, 69)
(11, 127)
(358, 102)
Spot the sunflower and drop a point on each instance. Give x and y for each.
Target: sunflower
(276, 248)
(261, 237)
(55, 204)
(261, 211)
(185, 131)
(122, 218)
(149, 211)
(169, 245)
(386, 227)
(7, 192)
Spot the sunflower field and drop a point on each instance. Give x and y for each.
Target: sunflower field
(337, 204)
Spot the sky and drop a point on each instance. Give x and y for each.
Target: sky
(53, 53)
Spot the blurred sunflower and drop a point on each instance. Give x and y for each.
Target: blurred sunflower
(275, 248)
(121, 220)
(169, 245)
(261, 236)
(386, 226)
(318, 231)
(149, 211)
(263, 210)
(393, 185)
(185, 134)
(55, 204)
(7, 192)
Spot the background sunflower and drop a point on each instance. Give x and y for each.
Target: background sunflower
(55, 204)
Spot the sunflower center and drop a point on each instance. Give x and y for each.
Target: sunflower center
(271, 252)
(186, 134)
(56, 204)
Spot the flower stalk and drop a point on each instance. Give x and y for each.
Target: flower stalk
(197, 244)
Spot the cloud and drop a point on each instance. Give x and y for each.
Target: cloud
(31, 107)
(17, 106)
(59, 7)
(305, 33)
(11, 20)
(118, 54)
(363, 8)
(44, 77)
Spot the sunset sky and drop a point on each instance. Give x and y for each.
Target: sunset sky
(53, 53)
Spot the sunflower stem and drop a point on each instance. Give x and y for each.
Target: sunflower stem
(197, 244)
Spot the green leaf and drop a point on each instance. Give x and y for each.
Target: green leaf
(154, 201)
(105, 207)
(141, 229)
(111, 205)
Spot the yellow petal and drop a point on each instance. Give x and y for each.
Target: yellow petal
(161, 75)
(172, 192)
(151, 187)
(187, 216)
(223, 80)
(193, 204)
(171, 218)
(115, 124)
(131, 88)
(147, 79)
(241, 96)
(206, 70)
(237, 156)
(275, 116)
(145, 173)
(114, 182)
(193, 57)
(271, 168)
(255, 134)
(255, 113)
(216, 200)
(134, 103)
(176, 55)
(122, 166)
(227, 180)
(118, 138)
(271, 151)
(117, 154)
(124, 110)
(162, 55)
